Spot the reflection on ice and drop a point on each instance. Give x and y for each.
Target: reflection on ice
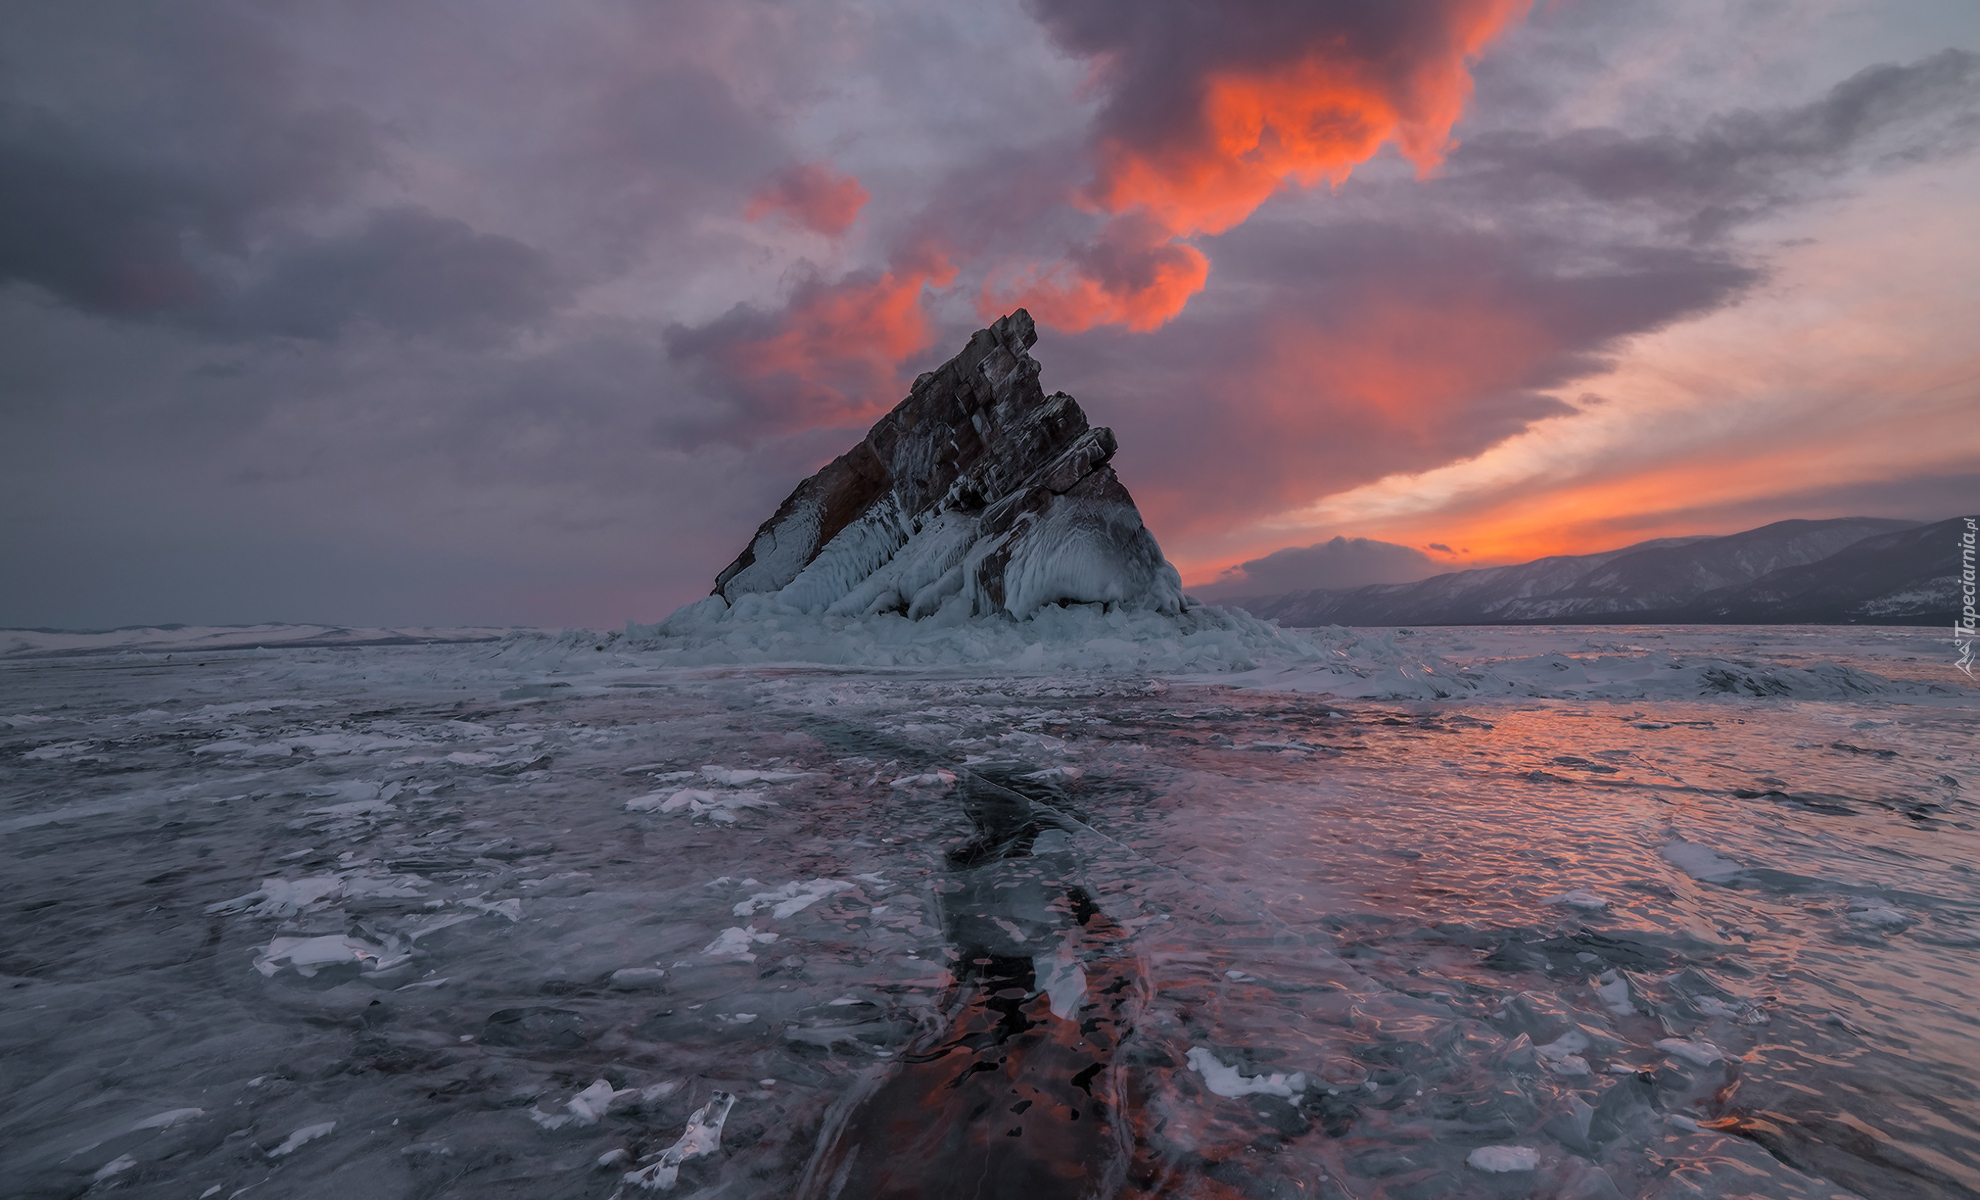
(427, 921)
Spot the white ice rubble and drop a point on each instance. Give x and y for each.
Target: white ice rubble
(1207, 644)
(702, 1136)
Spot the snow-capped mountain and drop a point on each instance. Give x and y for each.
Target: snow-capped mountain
(1847, 570)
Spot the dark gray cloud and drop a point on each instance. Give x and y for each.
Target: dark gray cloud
(1338, 563)
(405, 270)
(123, 186)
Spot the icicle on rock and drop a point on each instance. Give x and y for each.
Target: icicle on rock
(978, 495)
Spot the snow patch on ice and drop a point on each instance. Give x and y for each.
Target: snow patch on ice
(1226, 1081)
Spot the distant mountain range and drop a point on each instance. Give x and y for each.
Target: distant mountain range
(1848, 571)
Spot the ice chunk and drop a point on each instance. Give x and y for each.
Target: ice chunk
(283, 897)
(733, 777)
(1063, 979)
(116, 1166)
(1614, 991)
(355, 808)
(1504, 1158)
(301, 1137)
(629, 978)
(1560, 1055)
(1582, 900)
(792, 898)
(929, 779)
(1700, 862)
(702, 1136)
(1702, 1054)
(736, 942)
(170, 1117)
(1878, 916)
(308, 955)
(369, 886)
(717, 806)
(585, 1108)
(510, 908)
(1226, 1081)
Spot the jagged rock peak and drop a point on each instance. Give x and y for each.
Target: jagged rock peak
(977, 495)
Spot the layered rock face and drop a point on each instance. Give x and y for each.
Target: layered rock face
(977, 495)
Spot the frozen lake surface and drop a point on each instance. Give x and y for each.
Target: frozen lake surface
(1582, 912)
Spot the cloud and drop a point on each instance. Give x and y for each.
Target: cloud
(831, 357)
(404, 270)
(1339, 563)
(1212, 110)
(1331, 354)
(112, 205)
(1745, 164)
(811, 196)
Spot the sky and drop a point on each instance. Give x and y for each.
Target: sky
(521, 314)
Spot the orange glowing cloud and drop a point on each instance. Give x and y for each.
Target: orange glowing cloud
(1400, 378)
(1306, 120)
(1134, 274)
(811, 196)
(834, 356)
